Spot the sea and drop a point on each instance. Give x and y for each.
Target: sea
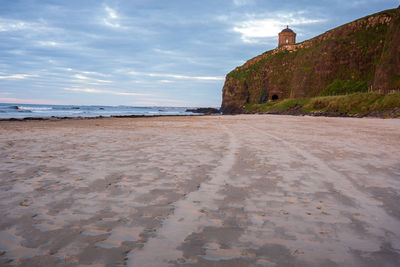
(21, 111)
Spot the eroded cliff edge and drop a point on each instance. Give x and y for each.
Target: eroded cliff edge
(365, 50)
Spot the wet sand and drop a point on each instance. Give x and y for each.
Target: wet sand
(246, 190)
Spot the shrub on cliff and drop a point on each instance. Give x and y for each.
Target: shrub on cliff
(344, 87)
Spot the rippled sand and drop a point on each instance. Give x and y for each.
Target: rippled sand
(248, 190)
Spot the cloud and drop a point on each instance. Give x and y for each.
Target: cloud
(111, 13)
(49, 43)
(29, 101)
(185, 77)
(112, 18)
(179, 77)
(95, 73)
(89, 79)
(32, 27)
(100, 91)
(17, 76)
(58, 44)
(156, 102)
(79, 71)
(253, 29)
(162, 100)
(167, 52)
(12, 25)
(144, 103)
(242, 2)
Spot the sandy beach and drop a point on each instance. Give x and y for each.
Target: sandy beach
(245, 190)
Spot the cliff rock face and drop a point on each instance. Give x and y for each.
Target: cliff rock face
(367, 50)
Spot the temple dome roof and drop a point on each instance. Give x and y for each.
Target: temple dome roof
(287, 30)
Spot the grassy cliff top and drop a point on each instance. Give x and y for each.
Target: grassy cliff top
(366, 31)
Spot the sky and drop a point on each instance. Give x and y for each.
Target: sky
(148, 52)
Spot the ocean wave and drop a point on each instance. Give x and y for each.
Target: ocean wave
(65, 108)
(33, 108)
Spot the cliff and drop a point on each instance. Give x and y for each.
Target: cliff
(365, 52)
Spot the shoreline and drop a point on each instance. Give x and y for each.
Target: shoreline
(316, 114)
(55, 118)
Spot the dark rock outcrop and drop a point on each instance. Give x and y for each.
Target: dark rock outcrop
(207, 111)
(366, 50)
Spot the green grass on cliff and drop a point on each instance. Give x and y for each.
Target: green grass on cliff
(352, 104)
(342, 87)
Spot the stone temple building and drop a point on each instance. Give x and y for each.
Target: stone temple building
(287, 37)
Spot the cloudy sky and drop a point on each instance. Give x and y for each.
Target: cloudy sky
(147, 52)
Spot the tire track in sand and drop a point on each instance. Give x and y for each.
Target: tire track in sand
(368, 207)
(187, 216)
(331, 175)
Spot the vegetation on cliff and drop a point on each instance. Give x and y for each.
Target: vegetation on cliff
(357, 104)
(343, 87)
(349, 59)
